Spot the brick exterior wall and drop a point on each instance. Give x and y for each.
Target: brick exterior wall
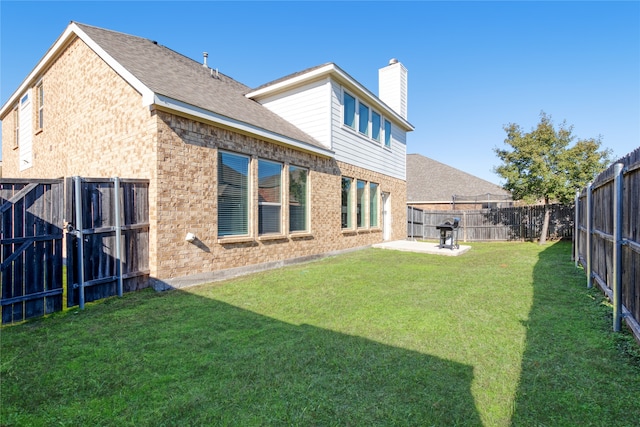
(95, 126)
(187, 183)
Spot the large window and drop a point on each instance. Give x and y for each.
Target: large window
(363, 119)
(269, 197)
(40, 93)
(373, 204)
(347, 216)
(361, 203)
(298, 196)
(233, 194)
(387, 133)
(349, 110)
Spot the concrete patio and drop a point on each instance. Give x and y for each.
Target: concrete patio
(422, 247)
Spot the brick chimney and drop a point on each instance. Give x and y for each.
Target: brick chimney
(392, 86)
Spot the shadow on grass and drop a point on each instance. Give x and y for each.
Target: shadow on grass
(181, 359)
(572, 373)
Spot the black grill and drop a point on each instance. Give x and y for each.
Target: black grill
(449, 233)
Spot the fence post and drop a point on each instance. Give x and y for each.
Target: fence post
(118, 227)
(589, 211)
(80, 236)
(576, 216)
(617, 246)
(411, 216)
(464, 227)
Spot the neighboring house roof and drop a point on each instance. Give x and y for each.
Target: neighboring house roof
(429, 181)
(174, 82)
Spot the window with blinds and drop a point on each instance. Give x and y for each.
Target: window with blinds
(233, 194)
(269, 197)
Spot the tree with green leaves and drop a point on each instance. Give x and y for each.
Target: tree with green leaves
(542, 165)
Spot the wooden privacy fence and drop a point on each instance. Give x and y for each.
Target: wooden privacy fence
(497, 224)
(607, 240)
(109, 237)
(31, 254)
(107, 243)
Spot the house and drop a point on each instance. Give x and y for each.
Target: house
(310, 164)
(432, 185)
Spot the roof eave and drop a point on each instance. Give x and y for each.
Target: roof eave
(338, 74)
(172, 105)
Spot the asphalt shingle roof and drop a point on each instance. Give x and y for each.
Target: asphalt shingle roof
(429, 181)
(175, 76)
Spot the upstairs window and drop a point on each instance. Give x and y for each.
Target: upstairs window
(346, 215)
(349, 110)
(269, 197)
(387, 133)
(298, 196)
(233, 195)
(40, 95)
(375, 126)
(363, 119)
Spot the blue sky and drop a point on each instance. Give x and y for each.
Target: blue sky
(473, 66)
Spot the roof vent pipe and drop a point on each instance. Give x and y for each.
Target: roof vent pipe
(204, 63)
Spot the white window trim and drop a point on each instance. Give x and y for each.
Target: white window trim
(307, 230)
(351, 209)
(355, 110)
(377, 226)
(384, 132)
(282, 170)
(380, 142)
(237, 238)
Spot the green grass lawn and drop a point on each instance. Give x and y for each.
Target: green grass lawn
(506, 334)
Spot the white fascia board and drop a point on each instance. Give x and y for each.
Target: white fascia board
(63, 41)
(170, 104)
(294, 81)
(343, 78)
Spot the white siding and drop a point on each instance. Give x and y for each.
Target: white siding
(307, 107)
(26, 132)
(353, 148)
